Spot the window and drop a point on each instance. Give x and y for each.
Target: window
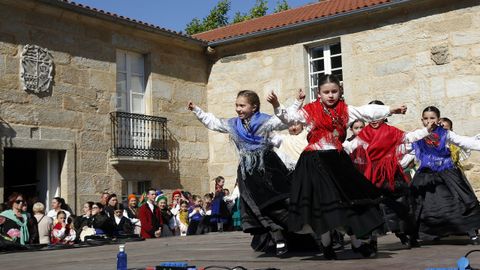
(130, 82)
(135, 187)
(324, 59)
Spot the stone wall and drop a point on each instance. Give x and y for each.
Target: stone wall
(76, 111)
(390, 55)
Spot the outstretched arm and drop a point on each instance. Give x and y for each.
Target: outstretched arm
(208, 119)
(464, 142)
(411, 137)
(373, 112)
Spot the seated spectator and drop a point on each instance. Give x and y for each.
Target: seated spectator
(62, 232)
(169, 225)
(182, 218)
(44, 223)
(104, 197)
(195, 215)
(58, 204)
(85, 220)
(121, 224)
(131, 212)
(102, 224)
(150, 217)
(14, 223)
(32, 223)
(176, 198)
(112, 202)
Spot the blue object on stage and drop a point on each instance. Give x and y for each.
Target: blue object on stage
(174, 266)
(121, 258)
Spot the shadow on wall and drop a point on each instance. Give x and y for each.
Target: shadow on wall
(7, 133)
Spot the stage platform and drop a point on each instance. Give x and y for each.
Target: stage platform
(232, 248)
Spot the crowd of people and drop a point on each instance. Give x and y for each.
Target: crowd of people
(147, 215)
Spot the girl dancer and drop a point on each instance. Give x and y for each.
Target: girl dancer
(382, 147)
(262, 177)
(327, 191)
(446, 204)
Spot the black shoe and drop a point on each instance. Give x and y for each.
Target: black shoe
(414, 242)
(281, 248)
(329, 253)
(405, 240)
(374, 246)
(366, 250)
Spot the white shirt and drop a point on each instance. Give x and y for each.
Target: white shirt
(150, 205)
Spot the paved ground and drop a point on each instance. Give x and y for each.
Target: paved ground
(232, 249)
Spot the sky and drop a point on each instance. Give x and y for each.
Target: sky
(175, 14)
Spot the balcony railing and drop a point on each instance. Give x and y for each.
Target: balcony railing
(138, 136)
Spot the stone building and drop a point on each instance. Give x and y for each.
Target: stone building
(417, 53)
(60, 142)
(114, 115)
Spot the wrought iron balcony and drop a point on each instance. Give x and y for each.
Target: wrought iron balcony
(138, 136)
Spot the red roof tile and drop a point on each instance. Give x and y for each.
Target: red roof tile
(294, 16)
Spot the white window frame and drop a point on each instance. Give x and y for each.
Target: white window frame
(327, 65)
(128, 76)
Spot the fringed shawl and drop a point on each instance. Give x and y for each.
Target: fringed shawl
(433, 152)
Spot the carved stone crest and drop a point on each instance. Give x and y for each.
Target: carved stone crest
(36, 69)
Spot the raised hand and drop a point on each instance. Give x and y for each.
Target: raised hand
(191, 105)
(273, 99)
(398, 110)
(301, 95)
(431, 126)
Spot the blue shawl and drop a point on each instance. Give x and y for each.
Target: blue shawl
(432, 152)
(245, 139)
(251, 145)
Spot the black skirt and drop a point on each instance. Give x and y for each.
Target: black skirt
(263, 196)
(445, 203)
(398, 207)
(328, 193)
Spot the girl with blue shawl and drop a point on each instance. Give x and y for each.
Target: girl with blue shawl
(262, 177)
(446, 203)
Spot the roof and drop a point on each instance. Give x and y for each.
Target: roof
(101, 14)
(291, 17)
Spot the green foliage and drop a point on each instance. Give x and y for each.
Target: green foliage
(259, 10)
(281, 6)
(239, 17)
(217, 18)
(218, 15)
(195, 26)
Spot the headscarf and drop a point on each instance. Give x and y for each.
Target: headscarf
(132, 196)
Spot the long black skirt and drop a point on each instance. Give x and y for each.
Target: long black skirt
(398, 208)
(329, 193)
(445, 203)
(264, 200)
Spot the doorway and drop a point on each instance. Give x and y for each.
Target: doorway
(33, 172)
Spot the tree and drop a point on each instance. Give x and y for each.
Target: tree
(195, 26)
(217, 18)
(258, 10)
(281, 6)
(218, 15)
